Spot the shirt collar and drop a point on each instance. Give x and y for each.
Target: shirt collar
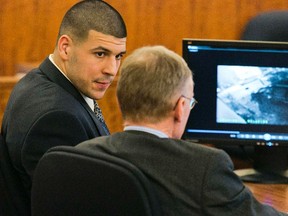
(88, 100)
(157, 133)
(51, 59)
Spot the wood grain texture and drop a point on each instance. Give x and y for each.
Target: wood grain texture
(275, 195)
(28, 29)
(166, 22)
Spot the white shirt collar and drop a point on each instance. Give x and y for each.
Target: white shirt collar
(147, 130)
(51, 59)
(88, 100)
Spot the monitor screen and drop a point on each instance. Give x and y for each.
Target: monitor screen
(242, 92)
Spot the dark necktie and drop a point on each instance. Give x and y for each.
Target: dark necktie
(100, 117)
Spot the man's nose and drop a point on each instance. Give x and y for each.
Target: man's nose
(111, 66)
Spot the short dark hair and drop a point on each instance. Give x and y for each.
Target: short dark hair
(92, 15)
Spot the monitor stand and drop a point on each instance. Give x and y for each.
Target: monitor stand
(270, 166)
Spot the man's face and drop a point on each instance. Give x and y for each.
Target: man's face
(93, 64)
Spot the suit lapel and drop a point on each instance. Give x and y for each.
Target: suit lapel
(57, 77)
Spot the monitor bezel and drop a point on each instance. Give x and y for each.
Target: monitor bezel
(240, 44)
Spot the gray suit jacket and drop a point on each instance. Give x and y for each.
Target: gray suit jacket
(43, 111)
(189, 178)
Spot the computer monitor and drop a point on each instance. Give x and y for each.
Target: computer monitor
(242, 93)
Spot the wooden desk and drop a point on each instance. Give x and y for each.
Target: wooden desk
(275, 195)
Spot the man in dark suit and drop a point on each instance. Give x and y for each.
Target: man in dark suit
(53, 104)
(155, 93)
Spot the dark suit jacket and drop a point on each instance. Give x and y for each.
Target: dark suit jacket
(190, 179)
(45, 110)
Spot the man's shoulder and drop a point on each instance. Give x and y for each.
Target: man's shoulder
(139, 138)
(34, 80)
(196, 146)
(45, 97)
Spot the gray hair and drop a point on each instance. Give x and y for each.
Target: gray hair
(149, 79)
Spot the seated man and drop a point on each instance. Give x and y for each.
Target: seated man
(55, 104)
(155, 93)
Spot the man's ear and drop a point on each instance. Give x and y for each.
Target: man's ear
(64, 43)
(179, 109)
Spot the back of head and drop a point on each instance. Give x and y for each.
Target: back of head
(151, 80)
(92, 15)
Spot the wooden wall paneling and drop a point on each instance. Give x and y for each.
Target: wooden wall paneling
(166, 22)
(248, 9)
(28, 28)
